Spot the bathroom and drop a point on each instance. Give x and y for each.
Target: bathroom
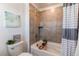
(57, 25)
(19, 32)
(39, 29)
(46, 22)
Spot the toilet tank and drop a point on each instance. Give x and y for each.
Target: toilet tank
(15, 49)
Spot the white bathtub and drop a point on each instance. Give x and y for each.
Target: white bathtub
(53, 49)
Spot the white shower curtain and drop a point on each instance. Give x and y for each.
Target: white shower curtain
(70, 28)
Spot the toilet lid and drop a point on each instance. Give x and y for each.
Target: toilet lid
(25, 54)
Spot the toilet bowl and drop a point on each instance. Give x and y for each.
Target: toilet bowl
(25, 54)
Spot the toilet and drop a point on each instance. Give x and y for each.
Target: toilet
(25, 54)
(17, 49)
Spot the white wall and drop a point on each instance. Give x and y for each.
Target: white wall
(26, 27)
(7, 33)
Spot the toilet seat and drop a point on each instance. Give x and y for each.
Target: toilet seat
(25, 54)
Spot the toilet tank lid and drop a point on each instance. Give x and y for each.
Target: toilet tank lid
(16, 44)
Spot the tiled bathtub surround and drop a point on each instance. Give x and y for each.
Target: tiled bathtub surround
(34, 24)
(51, 20)
(70, 24)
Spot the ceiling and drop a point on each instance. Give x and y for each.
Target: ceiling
(44, 5)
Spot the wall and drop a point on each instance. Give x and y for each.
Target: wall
(34, 24)
(26, 28)
(7, 33)
(51, 20)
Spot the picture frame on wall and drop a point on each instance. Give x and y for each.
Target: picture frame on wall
(12, 20)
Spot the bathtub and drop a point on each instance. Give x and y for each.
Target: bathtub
(53, 49)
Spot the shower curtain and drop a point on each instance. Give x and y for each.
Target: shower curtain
(70, 28)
